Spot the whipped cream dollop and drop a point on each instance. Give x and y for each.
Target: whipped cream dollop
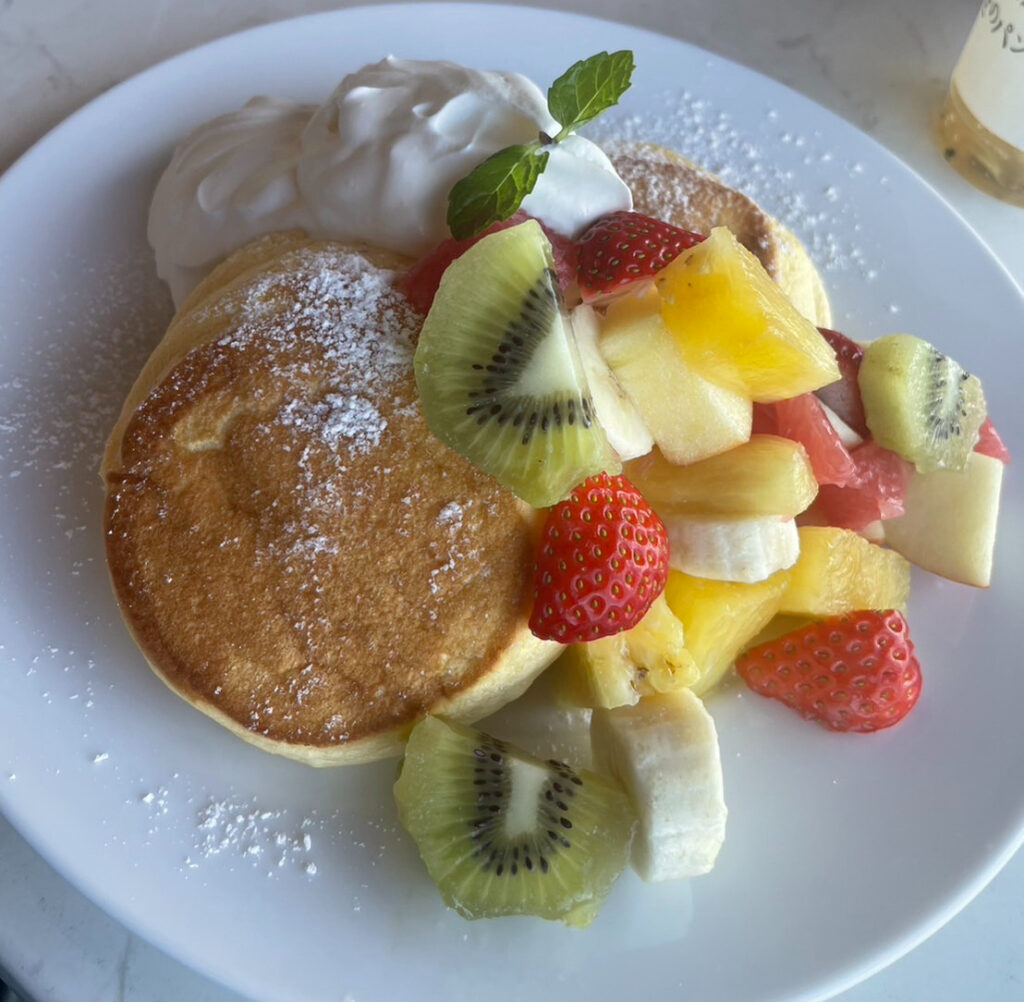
(374, 163)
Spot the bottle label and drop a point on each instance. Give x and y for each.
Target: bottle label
(990, 74)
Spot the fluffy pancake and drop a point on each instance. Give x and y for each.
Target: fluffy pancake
(667, 186)
(293, 551)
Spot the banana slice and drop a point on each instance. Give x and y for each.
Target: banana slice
(747, 550)
(664, 750)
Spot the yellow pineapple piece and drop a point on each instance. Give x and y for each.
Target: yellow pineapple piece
(720, 617)
(618, 670)
(840, 571)
(657, 646)
(736, 326)
(688, 416)
(598, 673)
(778, 626)
(766, 476)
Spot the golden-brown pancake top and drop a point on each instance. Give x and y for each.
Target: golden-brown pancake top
(294, 551)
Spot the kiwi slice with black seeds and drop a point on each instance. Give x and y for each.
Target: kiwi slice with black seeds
(921, 403)
(499, 375)
(503, 833)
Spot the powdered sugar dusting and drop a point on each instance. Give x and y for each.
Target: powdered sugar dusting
(264, 837)
(342, 338)
(451, 518)
(759, 164)
(339, 417)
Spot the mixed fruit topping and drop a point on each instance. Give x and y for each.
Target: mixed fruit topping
(727, 486)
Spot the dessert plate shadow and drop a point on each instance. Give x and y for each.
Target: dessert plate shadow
(284, 882)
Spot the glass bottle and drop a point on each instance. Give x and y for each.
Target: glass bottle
(982, 122)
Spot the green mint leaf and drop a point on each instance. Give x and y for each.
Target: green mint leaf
(492, 192)
(588, 88)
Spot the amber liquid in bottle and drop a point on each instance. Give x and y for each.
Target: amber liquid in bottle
(981, 126)
(988, 162)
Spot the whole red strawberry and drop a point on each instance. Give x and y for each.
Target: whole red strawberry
(855, 672)
(603, 560)
(626, 247)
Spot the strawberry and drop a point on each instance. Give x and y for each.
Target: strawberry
(626, 247)
(855, 672)
(603, 561)
(843, 396)
(420, 282)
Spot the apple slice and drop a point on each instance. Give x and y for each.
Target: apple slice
(949, 523)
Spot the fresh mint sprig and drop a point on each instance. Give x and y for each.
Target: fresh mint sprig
(589, 88)
(493, 191)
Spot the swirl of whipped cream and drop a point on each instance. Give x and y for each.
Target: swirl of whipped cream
(230, 181)
(374, 163)
(383, 152)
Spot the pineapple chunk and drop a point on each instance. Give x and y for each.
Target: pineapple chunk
(766, 476)
(596, 674)
(617, 670)
(689, 417)
(840, 571)
(736, 326)
(720, 617)
(778, 626)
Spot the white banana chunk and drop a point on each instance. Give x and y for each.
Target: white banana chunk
(626, 431)
(731, 549)
(664, 751)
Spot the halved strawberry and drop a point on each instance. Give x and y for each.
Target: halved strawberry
(843, 396)
(420, 282)
(623, 248)
(603, 561)
(855, 672)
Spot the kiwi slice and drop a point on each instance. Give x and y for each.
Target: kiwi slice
(499, 375)
(920, 403)
(503, 833)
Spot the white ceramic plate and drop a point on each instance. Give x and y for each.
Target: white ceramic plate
(283, 882)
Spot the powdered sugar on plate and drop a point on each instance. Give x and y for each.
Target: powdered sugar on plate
(265, 837)
(761, 165)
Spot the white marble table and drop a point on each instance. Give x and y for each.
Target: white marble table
(880, 65)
